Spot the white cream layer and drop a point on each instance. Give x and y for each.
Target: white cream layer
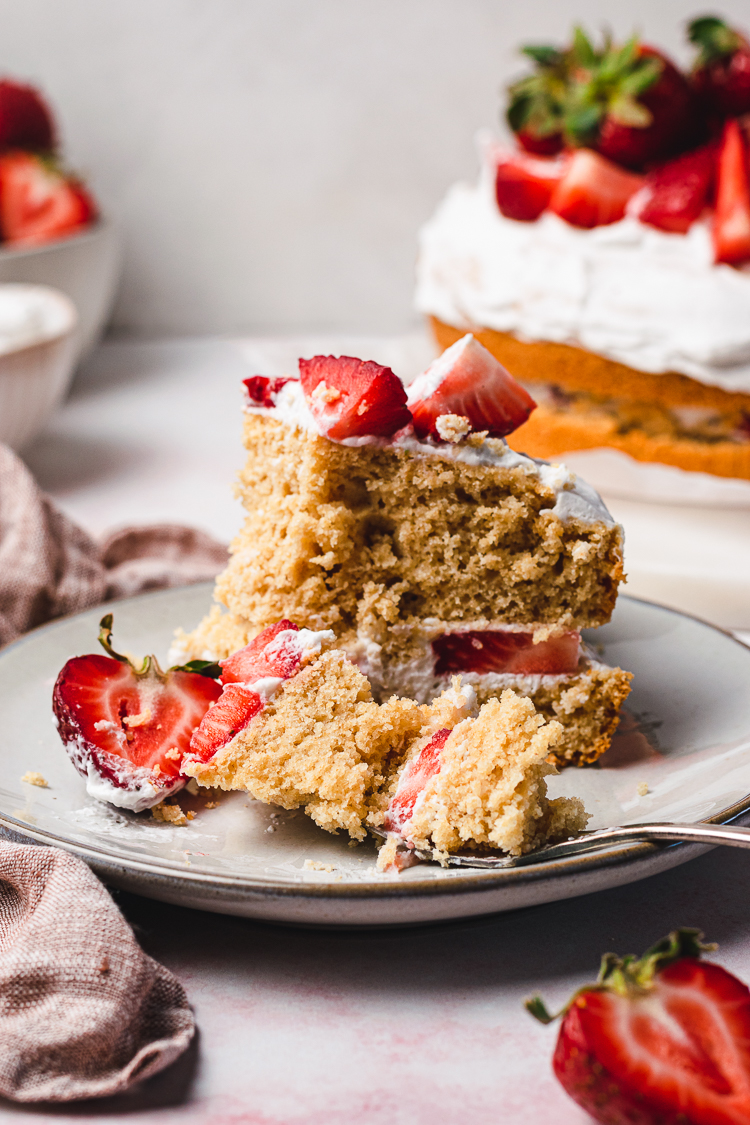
(652, 300)
(573, 497)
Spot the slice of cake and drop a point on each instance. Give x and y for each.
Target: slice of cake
(422, 540)
(296, 726)
(612, 279)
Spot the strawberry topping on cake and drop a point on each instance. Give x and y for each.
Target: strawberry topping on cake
(506, 652)
(222, 722)
(675, 194)
(524, 184)
(262, 391)
(352, 398)
(732, 220)
(593, 192)
(467, 381)
(416, 774)
(128, 727)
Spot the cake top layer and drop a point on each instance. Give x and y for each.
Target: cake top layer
(574, 499)
(640, 296)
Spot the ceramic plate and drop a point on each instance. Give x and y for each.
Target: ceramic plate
(686, 736)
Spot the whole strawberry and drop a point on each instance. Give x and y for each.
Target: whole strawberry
(537, 102)
(25, 119)
(721, 73)
(664, 1040)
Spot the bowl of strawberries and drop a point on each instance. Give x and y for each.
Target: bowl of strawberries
(51, 230)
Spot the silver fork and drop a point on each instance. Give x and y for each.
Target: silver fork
(659, 832)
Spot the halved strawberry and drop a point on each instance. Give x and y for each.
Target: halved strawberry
(731, 231)
(657, 1041)
(352, 398)
(524, 184)
(126, 728)
(675, 194)
(38, 202)
(25, 118)
(262, 391)
(499, 650)
(468, 381)
(416, 774)
(223, 721)
(262, 657)
(593, 192)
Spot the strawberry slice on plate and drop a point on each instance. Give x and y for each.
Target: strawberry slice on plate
(38, 202)
(676, 194)
(731, 233)
(593, 192)
(467, 381)
(657, 1041)
(524, 183)
(223, 721)
(352, 398)
(415, 776)
(500, 650)
(126, 727)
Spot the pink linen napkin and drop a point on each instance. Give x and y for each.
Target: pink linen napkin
(50, 567)
(84, 1012)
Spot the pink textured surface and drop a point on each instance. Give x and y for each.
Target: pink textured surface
(409, 1027)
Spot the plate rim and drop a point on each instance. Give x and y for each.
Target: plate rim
(463, 881)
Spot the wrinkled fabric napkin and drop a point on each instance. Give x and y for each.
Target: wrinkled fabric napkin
(84, 1013)
(50, 567)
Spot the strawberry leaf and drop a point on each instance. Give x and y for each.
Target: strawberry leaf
(544, 56)
(715, 39)
(207, 668)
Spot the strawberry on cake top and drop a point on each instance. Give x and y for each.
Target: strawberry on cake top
(407, 525)
(605, 260)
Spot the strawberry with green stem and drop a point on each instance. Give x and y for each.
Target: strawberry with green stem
(536, 106)
(721, 72)
(660, 1040)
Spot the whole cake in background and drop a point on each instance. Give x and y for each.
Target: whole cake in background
(606, 259)
(409, 527)
(40, 200)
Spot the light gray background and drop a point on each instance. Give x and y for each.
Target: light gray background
(271, 160)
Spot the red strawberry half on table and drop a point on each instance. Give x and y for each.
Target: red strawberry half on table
(467, 381)
(721, 74)
(38, 201)
(127, 727)
(351, 398)
(658, 1041)
(25, 119)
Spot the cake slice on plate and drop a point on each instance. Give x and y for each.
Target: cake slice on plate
(425, 543)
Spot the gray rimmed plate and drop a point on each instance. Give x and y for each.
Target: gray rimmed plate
(682, 753)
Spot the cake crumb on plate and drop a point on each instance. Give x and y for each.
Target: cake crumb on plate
(31, 777)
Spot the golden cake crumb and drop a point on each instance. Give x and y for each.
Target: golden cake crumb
(452, 427)
(316, 865)
(31, 777)
(170, 814)
(643, 789)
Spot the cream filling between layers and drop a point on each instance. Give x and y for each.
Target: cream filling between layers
(574, 499)
(637, 295)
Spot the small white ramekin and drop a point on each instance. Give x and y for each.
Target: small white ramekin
(35, 376)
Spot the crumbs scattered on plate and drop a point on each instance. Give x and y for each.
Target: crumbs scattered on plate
(642, 789)
(316, 865)
(31, 777)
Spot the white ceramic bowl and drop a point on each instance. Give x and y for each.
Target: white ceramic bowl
(86, 267)
(35, 376)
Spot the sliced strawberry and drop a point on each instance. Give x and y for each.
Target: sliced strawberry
(593, 192)
(38, 203)
(262, 391)
(658, 1040)
(415, 776)
(127, 728)
(499, 650)
(731, 232)
(676, 194)
(352, 398)
(262, 657)
(524, 184)
(468, 381)
(223, 721)
(25, 119)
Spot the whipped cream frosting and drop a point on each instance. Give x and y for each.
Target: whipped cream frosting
(574, 499)
(641, 296)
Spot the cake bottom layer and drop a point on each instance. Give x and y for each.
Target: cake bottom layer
(586, 702)
(586, 401)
